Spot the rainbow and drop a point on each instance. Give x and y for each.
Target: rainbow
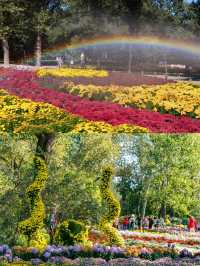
(183, 45)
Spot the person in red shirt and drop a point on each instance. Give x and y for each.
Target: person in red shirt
(192, 224)
(125, 222)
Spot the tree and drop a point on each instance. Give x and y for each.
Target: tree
(43, 14)
(194, 11)
(12, 21)
(74, 165)
(16, 166)
(162, 176)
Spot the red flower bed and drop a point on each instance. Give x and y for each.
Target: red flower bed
(3, 72)
(24, 84)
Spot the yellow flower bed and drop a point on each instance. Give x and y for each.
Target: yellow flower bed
(71, 72)
(24, 116)
(101, 127)
(175, 98)
(20, 115)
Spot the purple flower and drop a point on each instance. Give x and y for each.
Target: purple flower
(115, 250)
(47, 255)
(34, 251)
(98, 249)
(50, 249)
(58, 251)
(8, 257)
(77, 248)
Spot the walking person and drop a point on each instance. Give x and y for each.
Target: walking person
(71, 62)
(157, 223)
(125, 223)
(132, 222)
(145, 222)
(192, 224)
(151, 221)
(82, 59)
(59, 61)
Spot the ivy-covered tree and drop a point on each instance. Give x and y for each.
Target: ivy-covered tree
(33, 227)
(113, 210)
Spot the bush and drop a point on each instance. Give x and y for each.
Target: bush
(71, 232)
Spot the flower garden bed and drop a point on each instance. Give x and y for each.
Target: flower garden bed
(182, 243)
(97, 255)
(179, 98)
(152, 251)
(21, 116)
(72, 72)
(181, 238)
(111, 78)
(25, 85)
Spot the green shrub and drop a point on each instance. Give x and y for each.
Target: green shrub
(114, 209)
(71, 232)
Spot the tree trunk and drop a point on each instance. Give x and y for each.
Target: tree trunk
(44, 144)
(5, 46)
(163, 211)
(38, 50)
(171, 212)
(145, 200)
(144, 208)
